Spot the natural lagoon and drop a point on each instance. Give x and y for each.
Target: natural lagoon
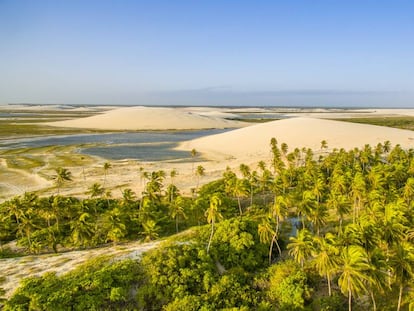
(144, 146)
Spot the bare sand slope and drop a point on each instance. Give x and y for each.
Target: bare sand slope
(149, 118)
(253, 142)
(15, 269)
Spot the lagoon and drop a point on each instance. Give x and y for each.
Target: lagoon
(144, 146)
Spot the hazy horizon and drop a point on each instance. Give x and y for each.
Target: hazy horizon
(244, 53)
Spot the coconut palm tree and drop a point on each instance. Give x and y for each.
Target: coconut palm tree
(193, 153)
(96, 190)
(402, 263)
(358, 190)
(106, 168)
(353, 272)
(82, 228)
(301, 246)
(128, 196)
(177, 210)
(150, 230)
(213, 215)
(200, 171)
(62, 175)
(279, 211)
(240, 190)
(325, 257)
(266, 234)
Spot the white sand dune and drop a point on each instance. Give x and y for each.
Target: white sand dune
(253, 142)
(149, 118)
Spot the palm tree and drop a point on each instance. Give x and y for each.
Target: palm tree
(353, 272)
(62, 175)
(154, 186)
(358, 189)
(301, 246)
(240, 190)
(266, 234)
(83, 228)
(213, 215)
(200, 171)
(177, 210)
(150, 230)
(279, 211)
(96, 190)
(15, 209)
(402, 262)
(106, 168)
(128, 196)
(172, 189)
(249, 177)
(325, 257)
(193, 156)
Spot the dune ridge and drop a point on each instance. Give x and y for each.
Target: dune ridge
(149, 118)
(253, 142)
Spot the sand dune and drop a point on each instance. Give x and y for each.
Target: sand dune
(149, 118)
(253, 142)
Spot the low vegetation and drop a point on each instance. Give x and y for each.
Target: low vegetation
(403, 122)
(333, 232)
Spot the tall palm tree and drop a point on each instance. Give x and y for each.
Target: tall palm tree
(240, 190)
(301, 246)
(358, 190)
(82, 228)
(353, 272)
(200, 171)
(96, 190)
(213, 215)
(193, 154)
(279, 211)
(177, 210)
(128, 196)
(150, 230)
(62, 175)
(266, 234)
(106, 168)
(402, 262)
(325, 257)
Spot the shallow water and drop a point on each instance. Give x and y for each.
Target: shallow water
(146, 146)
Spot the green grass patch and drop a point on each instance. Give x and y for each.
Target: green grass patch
(10, 128)
(254, 120)
(403, 122)
(25, 162)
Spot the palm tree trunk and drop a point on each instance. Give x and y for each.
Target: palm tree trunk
(349, 297)
(240, 209)
(211, 236)
(374, 304)
(251, 196)
(329, 284)
(176, 223)
(400, 297)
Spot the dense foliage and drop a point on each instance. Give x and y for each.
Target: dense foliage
(307, 232)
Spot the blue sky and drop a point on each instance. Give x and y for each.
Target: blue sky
(283, 53)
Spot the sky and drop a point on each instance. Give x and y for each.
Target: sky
(342, 53)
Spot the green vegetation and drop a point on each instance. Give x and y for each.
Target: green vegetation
(332, 233)
(253, 120)
(11, 129)
(403, 122)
